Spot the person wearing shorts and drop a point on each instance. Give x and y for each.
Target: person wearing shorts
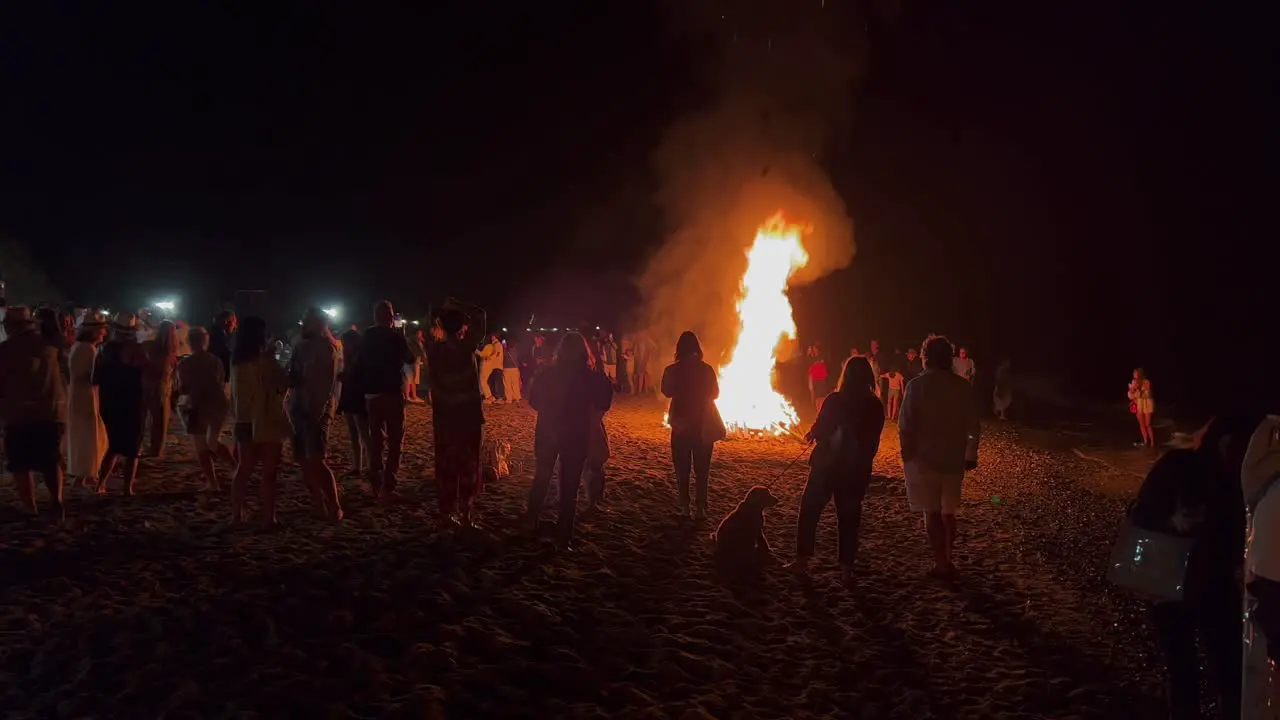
(313, 378)
(33, 403)
(938, 430)
(203, 406)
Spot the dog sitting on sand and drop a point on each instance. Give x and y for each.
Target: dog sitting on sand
(740, 543)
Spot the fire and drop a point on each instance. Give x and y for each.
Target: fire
(748, 401)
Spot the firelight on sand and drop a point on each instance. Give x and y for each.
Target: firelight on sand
(748, 402)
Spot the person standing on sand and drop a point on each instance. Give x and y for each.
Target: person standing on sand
(118, 372)
(1002, 396)
(224, 328)
(313, 378)
(33, 404)
(1142, 403)
(383, 354)
(848, 435)
(413, 371)
(511, 374)
(693, 388)
(569, 396)
(351, 403)
(457, 411)
(258, 387)
(86, 435)
(202, 405)
(938, 429)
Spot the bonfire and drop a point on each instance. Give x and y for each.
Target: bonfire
(748, 401)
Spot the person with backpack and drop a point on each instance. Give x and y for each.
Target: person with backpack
(847, 433)
(1194, 493)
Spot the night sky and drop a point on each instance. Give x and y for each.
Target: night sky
(1079, 188)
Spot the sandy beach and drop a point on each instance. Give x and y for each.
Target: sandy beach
(156, 606)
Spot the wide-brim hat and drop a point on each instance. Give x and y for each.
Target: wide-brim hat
(124, 322)
(90, 320)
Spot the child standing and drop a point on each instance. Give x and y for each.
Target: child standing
(896, 385)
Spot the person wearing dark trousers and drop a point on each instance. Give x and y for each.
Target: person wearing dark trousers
(847, 433)
(693, 388)
(568, 396)
(1195, 493)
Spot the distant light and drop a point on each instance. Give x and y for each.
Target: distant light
(542, 329)
(504, 329)
(333, 312)
(597, 327)
(528, 329)
(555, 329)
(165, 305)
(415, 322)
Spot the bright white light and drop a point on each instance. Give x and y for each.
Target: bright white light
(415, 322)
(555, 329)
(165, 305)
(504, 329)
(597, 327)
(333, 312)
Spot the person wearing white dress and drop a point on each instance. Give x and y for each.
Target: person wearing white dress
(86, 435)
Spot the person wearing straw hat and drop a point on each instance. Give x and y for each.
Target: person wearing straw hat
(33, 404)
(118, 375)
(86, 435)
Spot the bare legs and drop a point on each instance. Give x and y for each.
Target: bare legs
(324, 489)
(251, 454)
(109, 466)
(25, 484)
(940, 528)
(1144, 425)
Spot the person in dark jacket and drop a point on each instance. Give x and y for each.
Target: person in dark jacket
(1195, 492)
(569, 396)
(457, 415)
(847, 433)
(220, 334)
(351, 403)
(383, 354)
(693, 388)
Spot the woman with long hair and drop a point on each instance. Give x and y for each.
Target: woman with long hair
(1142, 403)
(692, 386)
(351, 404)
(86, 435)
(202, 404)
(157, 384)
(568, 396)
(847, 433)
(258, 387)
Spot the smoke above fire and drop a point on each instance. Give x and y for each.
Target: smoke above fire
(780, 86)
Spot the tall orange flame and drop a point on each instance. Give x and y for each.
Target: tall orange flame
(748, 401)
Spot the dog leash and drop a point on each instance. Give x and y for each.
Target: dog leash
(803, 450)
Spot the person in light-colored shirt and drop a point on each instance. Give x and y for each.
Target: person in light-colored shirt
(938, 429)
(963, 365)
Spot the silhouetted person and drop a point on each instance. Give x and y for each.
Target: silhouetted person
(118, 375)
(456, 410)
(847, 433)
(693, 388)
(569, 396)
(383, 354)
(33, 404)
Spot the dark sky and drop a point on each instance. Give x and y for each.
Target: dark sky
(1077, 185)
